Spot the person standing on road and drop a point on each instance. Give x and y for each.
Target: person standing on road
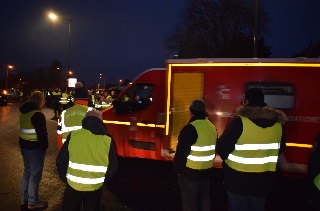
(194, 158)
(56, 96)
(314, 172)
(249, 147)
(71, 119)
(33, 142)
(64, 100)
(86, 160)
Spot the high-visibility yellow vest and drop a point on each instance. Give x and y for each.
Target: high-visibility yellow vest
(203, 151)
(64, 99)
(56, 93)
(257, 148)
(88, 160)
(316, 181)
(71, 119)
(27, 131)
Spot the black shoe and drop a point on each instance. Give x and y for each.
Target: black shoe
(54, 118)
(40, 204)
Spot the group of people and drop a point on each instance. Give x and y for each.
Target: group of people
(84, 167)
(59, 100)
(100, 100)
(249, 146)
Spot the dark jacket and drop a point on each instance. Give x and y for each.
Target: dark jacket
(187, 137)
(95, 126)
(38, 121)
(314, 160)
(244, 183)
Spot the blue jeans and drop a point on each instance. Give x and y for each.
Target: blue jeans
(33, 165)
(195, 194)
(245, 203)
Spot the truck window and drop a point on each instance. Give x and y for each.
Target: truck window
(137, 98)
(278, 95)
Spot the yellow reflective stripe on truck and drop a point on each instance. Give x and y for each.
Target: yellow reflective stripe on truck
(298, 145)
(258, 64)
(168, 99)
(128, 123)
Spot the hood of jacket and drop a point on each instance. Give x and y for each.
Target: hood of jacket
(266, 114)
(27, 107)
(95, 125)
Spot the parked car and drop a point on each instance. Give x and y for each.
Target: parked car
(3, 97)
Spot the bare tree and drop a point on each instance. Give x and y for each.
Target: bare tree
(218, 28)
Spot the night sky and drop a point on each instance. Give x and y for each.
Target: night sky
(122, 38)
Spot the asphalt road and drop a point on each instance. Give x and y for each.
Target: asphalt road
(138, 185)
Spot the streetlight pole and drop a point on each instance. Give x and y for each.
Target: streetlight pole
(255, 53)
(53, 17)
(104, 80)
(68, 63)
(8, 67)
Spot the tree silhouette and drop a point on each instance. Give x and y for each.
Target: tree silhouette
(218, 28)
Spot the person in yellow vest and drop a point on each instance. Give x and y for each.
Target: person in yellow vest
(193, 160)
(314, 172)
(56, 95)
(85, 162)
(33, 141)
(64, 100)
(71, 119)
(249, 147)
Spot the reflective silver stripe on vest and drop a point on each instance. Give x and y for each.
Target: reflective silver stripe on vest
(269, 159)
(69, 129)
(201, 158)
(89, 168)
(203, 149)
(257, 146)
(28, 131)
(87, 181)
(63, 127)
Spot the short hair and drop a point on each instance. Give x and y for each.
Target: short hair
(37, 98)
(78, 85)
(198, 107)
(255, 97)
(94, 113)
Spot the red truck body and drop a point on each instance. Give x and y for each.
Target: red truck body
(148, 126)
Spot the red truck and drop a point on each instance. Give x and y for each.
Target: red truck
(146, 118)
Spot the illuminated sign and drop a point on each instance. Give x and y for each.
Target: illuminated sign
(72, 82)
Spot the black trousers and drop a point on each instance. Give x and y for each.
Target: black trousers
(195, 194)
(74, 200)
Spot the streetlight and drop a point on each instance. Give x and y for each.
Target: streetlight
(53, 16)
(8, 67)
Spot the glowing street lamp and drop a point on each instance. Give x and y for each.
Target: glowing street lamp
(8, 67)
(54, 17)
